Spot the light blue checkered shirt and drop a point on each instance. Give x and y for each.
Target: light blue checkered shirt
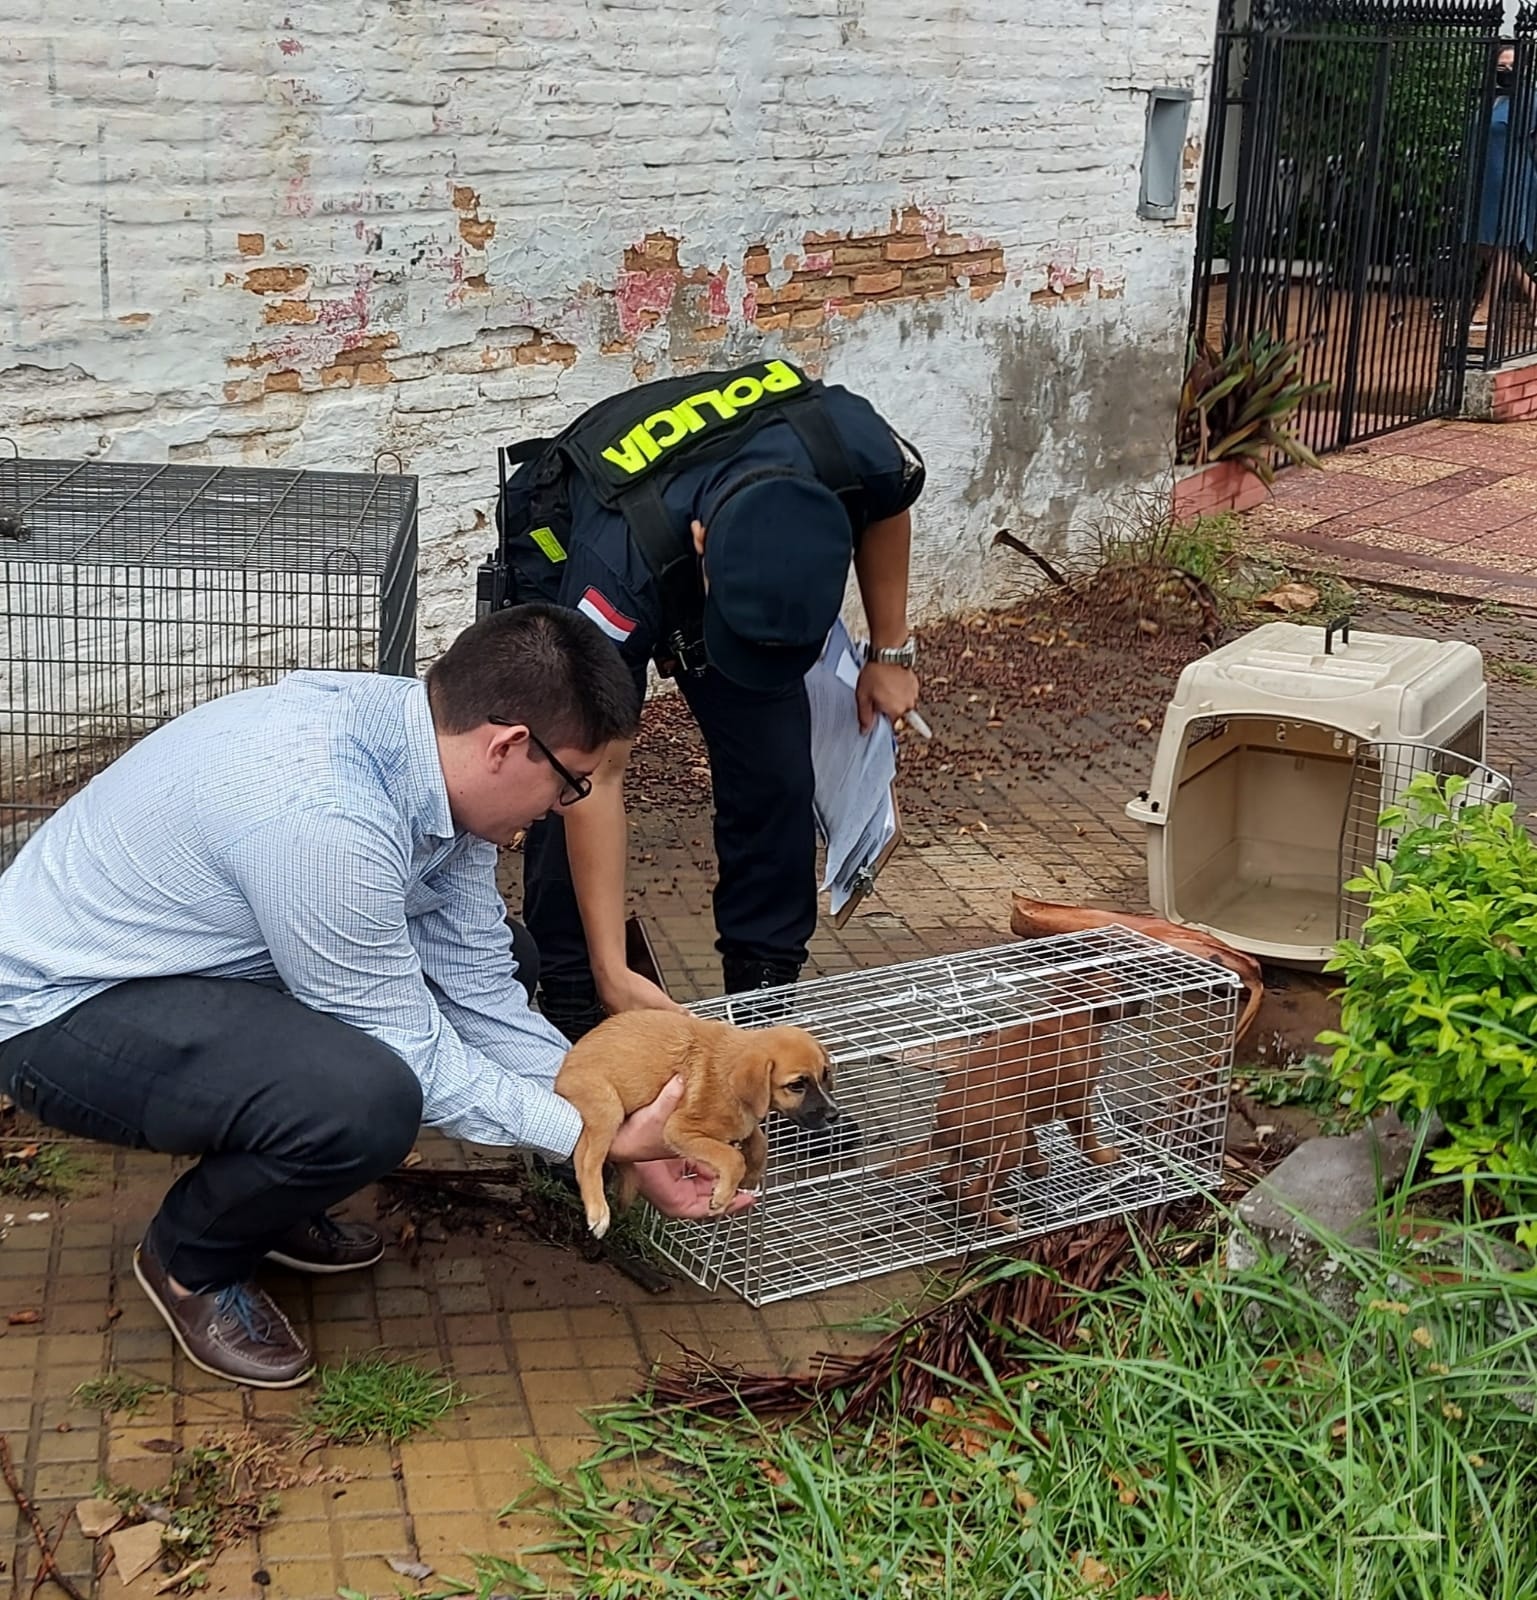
(297, 833)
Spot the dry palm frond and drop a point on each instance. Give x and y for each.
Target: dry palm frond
(971, 1331)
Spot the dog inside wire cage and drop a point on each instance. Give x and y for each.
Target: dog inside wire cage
(997, 1094)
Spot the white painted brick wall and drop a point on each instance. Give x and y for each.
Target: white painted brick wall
(156, 155)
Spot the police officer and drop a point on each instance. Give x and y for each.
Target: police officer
(708, 523)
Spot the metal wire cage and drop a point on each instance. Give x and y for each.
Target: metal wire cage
(985, 1097)
(130, 592)
(1380, 777)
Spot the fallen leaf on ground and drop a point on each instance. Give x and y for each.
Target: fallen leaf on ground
(20, 1319)
(409, 1569)
(97, 1517)
(160, 1447)
(176, 1579)
(1290, 597)
(1095, 1572)
(136, 1549)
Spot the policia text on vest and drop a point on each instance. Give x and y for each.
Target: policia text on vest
(627, 449)
(662, 430)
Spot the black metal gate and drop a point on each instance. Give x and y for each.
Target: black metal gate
(1340, 195)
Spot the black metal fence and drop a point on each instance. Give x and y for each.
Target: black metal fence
(1348, 158)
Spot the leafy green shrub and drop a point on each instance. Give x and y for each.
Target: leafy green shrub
(1236, 404)
(1439, 990)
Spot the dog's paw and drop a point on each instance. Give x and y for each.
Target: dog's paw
(598, 1221)
(1105, 1154)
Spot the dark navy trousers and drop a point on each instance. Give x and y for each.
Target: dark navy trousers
(765, 842)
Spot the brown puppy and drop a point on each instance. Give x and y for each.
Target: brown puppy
(1005, 1086)
(733, 1078)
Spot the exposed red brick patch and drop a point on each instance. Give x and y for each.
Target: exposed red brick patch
(545, 351)
(276, 280)
(136, 319)
(651, 283)
(250, 244)
(657, 251)
(916, 257)
(290, 311)
(465, 198)
(476, 232)
(285, 382)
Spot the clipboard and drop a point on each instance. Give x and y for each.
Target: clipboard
(864, 880)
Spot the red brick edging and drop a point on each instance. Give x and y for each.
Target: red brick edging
(1217, 487)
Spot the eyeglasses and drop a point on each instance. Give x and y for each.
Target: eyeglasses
(573, 787)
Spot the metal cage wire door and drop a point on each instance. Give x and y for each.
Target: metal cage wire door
(1379, 779)
(986, 1097)
(130, 592)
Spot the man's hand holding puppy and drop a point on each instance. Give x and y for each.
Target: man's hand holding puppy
(677, 1188)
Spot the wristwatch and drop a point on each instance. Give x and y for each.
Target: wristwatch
(903, 656)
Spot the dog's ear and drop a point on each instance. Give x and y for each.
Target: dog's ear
(752, 1077)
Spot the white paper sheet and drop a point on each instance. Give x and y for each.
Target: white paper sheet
(854, 771)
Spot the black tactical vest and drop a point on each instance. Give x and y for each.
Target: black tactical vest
(627, 449)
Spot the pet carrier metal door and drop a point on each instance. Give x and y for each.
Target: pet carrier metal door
(130, 592)
(1380, 778)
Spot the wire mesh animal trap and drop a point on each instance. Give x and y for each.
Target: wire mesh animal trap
(985, 1097)
(1380, 777)
(130, 592)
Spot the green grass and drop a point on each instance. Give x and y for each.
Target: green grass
(376, 1398)
(1504, 670)
(563, 1219)
(116, 1391)
(208, 1500)
(1211, 1434)
(39, 1171)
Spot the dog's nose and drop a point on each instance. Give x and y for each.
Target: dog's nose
(832, 1111)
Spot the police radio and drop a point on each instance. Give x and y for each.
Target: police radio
(493, 589)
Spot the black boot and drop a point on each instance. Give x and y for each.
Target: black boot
(744, 972)
(743, 976)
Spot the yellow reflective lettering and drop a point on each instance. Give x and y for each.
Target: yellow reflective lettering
(627, 455)
(681, 422)
(724, 410)
(777, 377)
(742, 392)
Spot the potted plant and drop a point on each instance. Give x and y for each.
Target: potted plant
(1235, 410)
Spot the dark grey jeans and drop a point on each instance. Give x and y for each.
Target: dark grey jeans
(290, 1110)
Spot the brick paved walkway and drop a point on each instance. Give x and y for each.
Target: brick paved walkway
(534, 1333)
(1446, 507)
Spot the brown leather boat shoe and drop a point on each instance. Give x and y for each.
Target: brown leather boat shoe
(236, 1333)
